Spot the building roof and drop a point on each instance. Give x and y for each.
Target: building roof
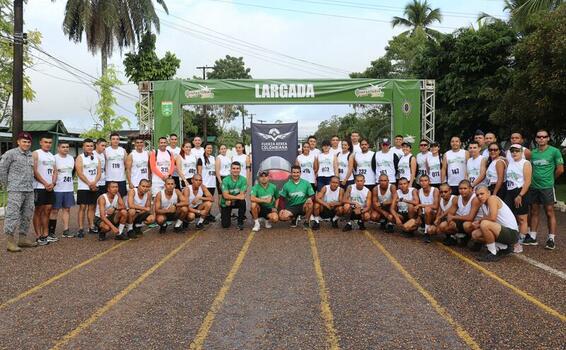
(56, 126)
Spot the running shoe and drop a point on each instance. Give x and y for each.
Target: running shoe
(361, 225)
(306, 225)
(80, 234)
(294, 221)
(67, 234)
(163, 228)
(256, 226)
(529, 240)
(315, 225)
(488, 257)
(131, 234)
(121, 237)
(550, 244)
(41, 241)
(449, 241)
(101, 236)
(200, 226)
(52, 238)
(382, 224)
(240, 226)
(268, 224)
(426, 238)
(347, 227)
(389, 228)
(334, 223)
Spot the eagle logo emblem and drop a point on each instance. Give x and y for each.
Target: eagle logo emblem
(274, 135)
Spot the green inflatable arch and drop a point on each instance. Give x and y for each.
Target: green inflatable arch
(412, 101)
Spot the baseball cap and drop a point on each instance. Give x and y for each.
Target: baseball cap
(517, 146)
(24, 135)
(385, 142)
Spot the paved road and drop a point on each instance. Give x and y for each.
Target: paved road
(279, 289)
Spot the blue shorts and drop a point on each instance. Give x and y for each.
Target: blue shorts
(64, 200)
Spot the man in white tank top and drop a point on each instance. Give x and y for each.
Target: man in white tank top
(100, 153)
(111, 214)
(200, 201)
(139, 208)
(137, 164)
(454, 164)
(422, 157)
(404, 206)
(64, 191)
(426, 209)
(312, 144)
(364, 163)
(116, 164)
(446, 200)
(170, 205)
(357, 203)
(45, 178)
(397, 145)
(328, 203)
(476, 166)
(175, 150)
(497, 229)
(464, 210)
(162, 164)
(335, 146)
(355, 139)
(386, 161)
(88, 169)
(382, 198)
(197, 150)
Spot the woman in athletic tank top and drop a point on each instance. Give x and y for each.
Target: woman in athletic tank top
(223, 164)
(325, 163)
(344, 165)
(518, 174)
(186, 164)
(496, 168)
(306, 161)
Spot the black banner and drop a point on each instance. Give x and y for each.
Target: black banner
(274, 149)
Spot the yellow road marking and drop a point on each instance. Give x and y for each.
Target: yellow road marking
(332, 337)
(59, 276)
(202, 333)
(110, 303)
(518, 291)
(462, 333)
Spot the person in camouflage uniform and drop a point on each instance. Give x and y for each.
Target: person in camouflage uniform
(16, 176)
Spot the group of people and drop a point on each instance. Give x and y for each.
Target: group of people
(482, 195)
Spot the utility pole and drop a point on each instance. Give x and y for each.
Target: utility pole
(261, 121)
(205, 116)
(18, 72)
(252, 118)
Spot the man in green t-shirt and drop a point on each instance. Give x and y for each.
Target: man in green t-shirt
(548, 165)
(264, 198)
(297, 193)
(233, 196)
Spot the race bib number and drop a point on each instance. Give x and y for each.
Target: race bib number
(455, 171)
(306, 171)
(325, 169)
(383, 172)
(49, 171)
(67, 179)
(92, 171)
(435, 174)
(472, 179)
(143, 171)
(362, 171)
(115, 165)
(341, 171)
(212, 173)
(164, 169)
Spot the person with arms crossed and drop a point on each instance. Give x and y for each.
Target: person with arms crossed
(548, 165)
(427, 207)
(454, 164)
(382, 198)
(495, 174)
(45, 178)
(476, 166)
(64, 188)
(16, 176)
(497, 229)
(297, 193)
(162, 163)
(88, 168)
(357, 203)
(186, 164)
(170, 205)
(516, 138)
(306, 162)
(137, 164)
(404, 207)
(519, 172)
(233, 196)
(111, 214)
(116, 164)
(200, 201)
(139, 208)
(265, 200)
(100, 153)
(328, 203)
(364, 163)
(344, 165)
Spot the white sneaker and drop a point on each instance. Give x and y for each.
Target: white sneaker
(268, 224)
(256, 226)
(52, 239)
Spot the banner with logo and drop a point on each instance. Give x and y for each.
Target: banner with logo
(274, 149)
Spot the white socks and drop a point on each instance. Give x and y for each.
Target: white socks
(551, 236)
(130, 227)
(317, 219)
(200, 220)
(500, 246)
(492, 248)
(178, 223)
(121, 228)
(426, 228)
(533, 235)
(335, 218)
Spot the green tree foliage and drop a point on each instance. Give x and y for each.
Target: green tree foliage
(193, 122)
(230, 68)
(419, 16)
(471, 68)
(145, 65)
(522, 10)
(110, 23)
(536, 97)
(105, 107)
(6, 59)
(229, 138)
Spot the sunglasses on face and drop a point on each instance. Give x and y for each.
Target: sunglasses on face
(423, 145)
(542, 136)
(494, 149)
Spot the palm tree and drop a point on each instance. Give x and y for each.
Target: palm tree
(107, 23)
(521, 9)
(419, 16)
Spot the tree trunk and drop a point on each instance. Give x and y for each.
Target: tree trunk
(104, 60)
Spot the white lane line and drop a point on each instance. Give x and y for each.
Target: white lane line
(541, 266)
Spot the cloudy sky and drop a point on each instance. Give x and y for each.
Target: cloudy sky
(278, 39)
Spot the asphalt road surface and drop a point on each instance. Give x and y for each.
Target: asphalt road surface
(284, 288)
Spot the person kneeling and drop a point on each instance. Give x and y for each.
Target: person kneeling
(200, 201)
(426, 209)
(463, 212)
(170, 205)
(404, 207)
(357, 203)
(234, 189)
(498, 228)
(297, 193)
(265, 199)
(110, 211)
(382, 198)
(139, 208)
(328, 203)
(447, 199)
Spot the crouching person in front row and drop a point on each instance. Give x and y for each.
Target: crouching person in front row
(200, 201)
(328, 203)
(382, 198)
(170, 205)
(139, 208)
(357, 203)
(404, 207)
(265, 199)
(497, 229)
(111, 214)
(233, 196)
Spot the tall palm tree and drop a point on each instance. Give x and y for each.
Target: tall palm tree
(107, 23)
(418, 17)
(521, 9)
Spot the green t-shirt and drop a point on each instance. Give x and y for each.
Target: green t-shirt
(233, 187)
(262, 192)
(296, 193)
(544, 164)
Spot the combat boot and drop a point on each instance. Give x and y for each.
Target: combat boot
(25, 242)
(11, 245)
